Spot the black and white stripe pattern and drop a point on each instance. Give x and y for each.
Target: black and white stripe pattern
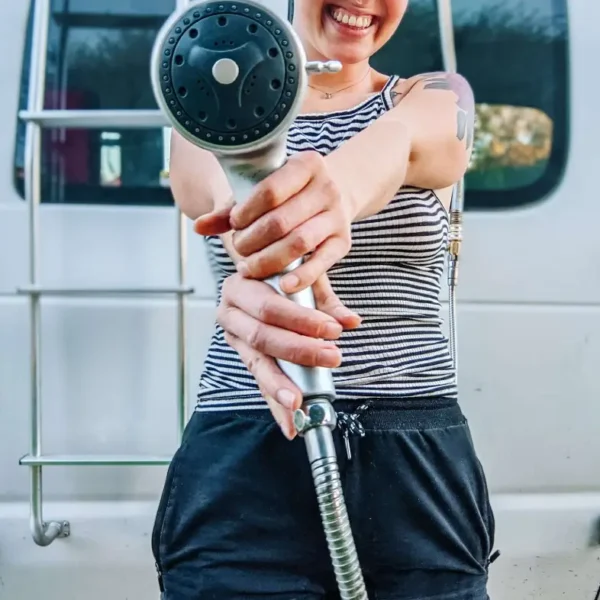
(391, 277)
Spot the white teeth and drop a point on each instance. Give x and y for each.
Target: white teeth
(340, 15)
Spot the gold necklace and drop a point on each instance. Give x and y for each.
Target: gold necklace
(329, 95)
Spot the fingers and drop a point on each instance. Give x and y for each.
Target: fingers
(215, 223)
(278, 343)
(327, 301)
(297, 244)
(282, 396)
(283, 417)
(319, 263)
(277, 188)
(260, 301)
(276, 224)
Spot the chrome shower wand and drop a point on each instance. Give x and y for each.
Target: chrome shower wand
(231, 77)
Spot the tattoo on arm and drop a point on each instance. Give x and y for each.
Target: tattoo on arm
(465, 104)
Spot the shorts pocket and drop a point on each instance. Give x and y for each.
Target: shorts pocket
(490, 518)
(425, 499)
(162, 510)
(166, 498)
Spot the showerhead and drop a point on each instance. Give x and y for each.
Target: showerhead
(230, 76)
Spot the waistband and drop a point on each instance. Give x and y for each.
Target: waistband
(386, 414)
(357, 418)
(381, 414)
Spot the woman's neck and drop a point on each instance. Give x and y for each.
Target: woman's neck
(355, 77)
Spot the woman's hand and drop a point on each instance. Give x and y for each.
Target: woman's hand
(260, 324)
(295, 211)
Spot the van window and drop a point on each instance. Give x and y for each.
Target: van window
(98, 58)
(514, 54)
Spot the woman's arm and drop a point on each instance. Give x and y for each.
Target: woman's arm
(426, 141)
(199, 185)
(308, 206)
(198, 182)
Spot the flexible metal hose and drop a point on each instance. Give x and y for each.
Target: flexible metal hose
(316, 421)
(452, 318)
(336, 524)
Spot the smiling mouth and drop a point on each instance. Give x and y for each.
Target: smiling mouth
(347, 18)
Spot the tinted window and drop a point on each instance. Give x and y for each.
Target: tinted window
(98, 58)
(514, 53)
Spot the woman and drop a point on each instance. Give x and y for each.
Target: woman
(365, 193)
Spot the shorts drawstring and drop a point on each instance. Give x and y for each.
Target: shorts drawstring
(350, 424)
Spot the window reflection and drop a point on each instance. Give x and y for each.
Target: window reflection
(512, 147)
(98, 59)
(110, 159)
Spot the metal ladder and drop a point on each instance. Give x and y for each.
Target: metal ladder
(44, 533)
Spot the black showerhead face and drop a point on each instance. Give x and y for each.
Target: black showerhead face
(229, 75)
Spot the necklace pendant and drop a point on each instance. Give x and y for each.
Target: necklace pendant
(328, 96)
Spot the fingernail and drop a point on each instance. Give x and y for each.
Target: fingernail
(342, 312)
(290, 282)
(329, 358)
(287, 398)
(287, 433)
(332, 331)
(242, 269)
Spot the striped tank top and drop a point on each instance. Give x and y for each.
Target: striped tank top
(391, 277)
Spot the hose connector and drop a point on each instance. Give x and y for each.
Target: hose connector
(454, 245)
(315, 413)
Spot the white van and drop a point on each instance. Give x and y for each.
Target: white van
(106, 370)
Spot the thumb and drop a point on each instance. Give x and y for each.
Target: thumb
(327, 301)
(214, 223)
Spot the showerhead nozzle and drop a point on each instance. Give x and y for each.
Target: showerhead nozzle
(230, 76)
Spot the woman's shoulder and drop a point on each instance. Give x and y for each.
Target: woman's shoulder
(438, 80)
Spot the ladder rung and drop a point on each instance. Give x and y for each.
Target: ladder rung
(99, 460)
(96, 119)
(36, 290)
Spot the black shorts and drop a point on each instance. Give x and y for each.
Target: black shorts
(238, 517)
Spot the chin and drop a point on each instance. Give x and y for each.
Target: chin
(347, 56)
